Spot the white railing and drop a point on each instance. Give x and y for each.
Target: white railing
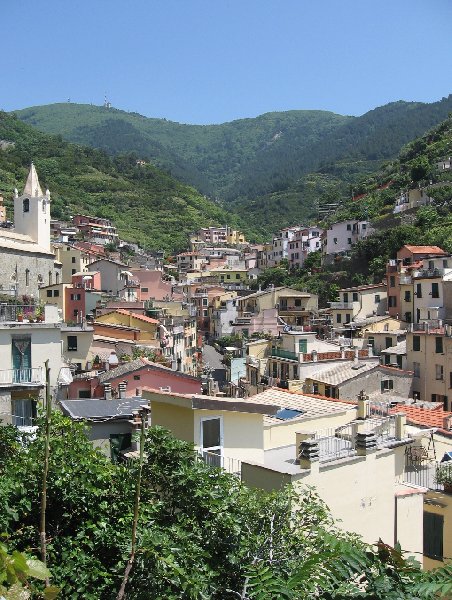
(228, 464)
(14, 376)
(336, 443)
(341, 305)
(384, 429)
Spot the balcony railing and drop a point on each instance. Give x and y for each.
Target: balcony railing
(405, 280)
(17, 312)
(341, 305)
(281, 353)
(228, 464)
(34, 376)
(427, 273)
(341, 441)
(425, 475)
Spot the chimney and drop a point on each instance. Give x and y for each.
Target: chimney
(107, 390)
(122, 389)
(447, 423)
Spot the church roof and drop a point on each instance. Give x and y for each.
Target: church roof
(21, 243)
(32, 187)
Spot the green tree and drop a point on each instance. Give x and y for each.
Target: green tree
(201, 534)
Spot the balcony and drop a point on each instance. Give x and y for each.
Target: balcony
(33, 376)
(18, 313)
(428, 273)
(341, 305)
(405, 280)
(281, 353)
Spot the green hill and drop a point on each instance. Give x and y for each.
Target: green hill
(272, 170)
(148, 205)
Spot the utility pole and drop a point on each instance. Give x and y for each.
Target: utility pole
(136, 508)
(42, 525)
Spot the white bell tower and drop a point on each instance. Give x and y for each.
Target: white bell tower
(32, 211)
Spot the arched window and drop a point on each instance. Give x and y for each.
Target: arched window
(27, 277)
(57, 278)
(50, 277)
(26, 205)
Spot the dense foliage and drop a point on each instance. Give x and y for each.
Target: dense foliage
(277, 167)
(201, 533)
(148, 205)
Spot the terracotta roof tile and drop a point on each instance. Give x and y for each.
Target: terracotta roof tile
(429, 417)
(425, 249)
(144, 318)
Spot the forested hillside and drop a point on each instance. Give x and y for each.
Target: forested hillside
(148, 205)
(416, 166)
(262, 168)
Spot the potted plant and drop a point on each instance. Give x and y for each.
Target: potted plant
(444, 476)
(39, 314)
(20, 316)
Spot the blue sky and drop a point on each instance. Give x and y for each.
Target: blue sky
(210, 61)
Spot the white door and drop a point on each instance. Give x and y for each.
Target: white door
(211, 439)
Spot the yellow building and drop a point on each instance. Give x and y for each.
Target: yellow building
(279, 437)
(230, 275)
(234, 237)
(148, 327)
(72, 259)
(429, 356)
(76, 345)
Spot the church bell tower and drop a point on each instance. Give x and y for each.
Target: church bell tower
(32, 211)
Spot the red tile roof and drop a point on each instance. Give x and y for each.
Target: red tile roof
(428, 417)
(425, 249)
(121, 311)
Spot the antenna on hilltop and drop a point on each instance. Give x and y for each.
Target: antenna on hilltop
(107, 103)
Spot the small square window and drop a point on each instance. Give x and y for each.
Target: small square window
(49, 293)
(72, 342)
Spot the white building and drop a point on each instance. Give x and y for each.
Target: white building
(338, 240)
(303, 243)
(26, 259)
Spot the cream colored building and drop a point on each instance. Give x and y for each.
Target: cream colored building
(429, 356)
(73, 260)
(358, 303)
(24, 348)
(76, 345)
(277, 438)
(26, 259)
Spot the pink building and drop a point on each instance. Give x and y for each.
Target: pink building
(137, 374)
(304, 241)
(152, 286)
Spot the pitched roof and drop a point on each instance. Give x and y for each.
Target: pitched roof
(424, 249)
(95, 409)
(143, 318)
(136, 365)
(308, 405)
(428, 417)
(32, 187)
(399, 349)
(343, 372)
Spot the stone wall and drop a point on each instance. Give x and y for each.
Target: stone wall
(39, 267)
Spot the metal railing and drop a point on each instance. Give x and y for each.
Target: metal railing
(336, 443)
(425, 475)
(341, 305)
(11, 376)
(13, 312)
(281, 353)
(384, 429)
(228, 464)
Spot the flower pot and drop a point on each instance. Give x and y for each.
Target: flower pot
(20, 318)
